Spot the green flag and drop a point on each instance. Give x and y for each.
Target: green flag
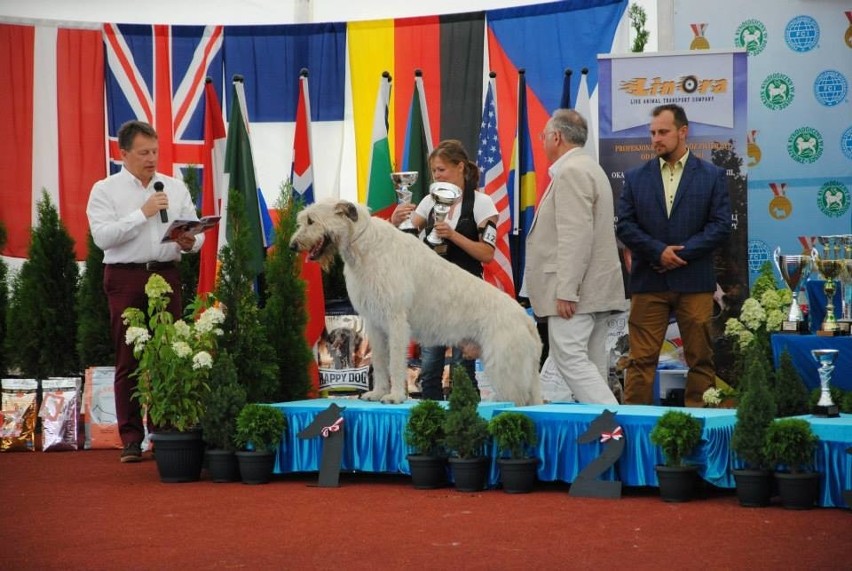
(381, 196)
(239, 168)
(418, 142)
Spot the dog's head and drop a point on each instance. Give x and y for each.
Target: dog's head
(323, 228)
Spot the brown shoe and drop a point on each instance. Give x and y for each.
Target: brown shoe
(131, 453)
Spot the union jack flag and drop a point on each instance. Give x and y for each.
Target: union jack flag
(156, 74)
(493, 179)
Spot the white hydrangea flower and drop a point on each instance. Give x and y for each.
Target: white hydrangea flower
(712, 397)
(182, 349)
(202, 360)
(157, 286)
(752, 314)
(136, 336)
(774, 317)
(182, 330)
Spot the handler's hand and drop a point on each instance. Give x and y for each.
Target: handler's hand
(185, 241)
(669, 260)
(156, 202)
(566, 309)
(401, 213)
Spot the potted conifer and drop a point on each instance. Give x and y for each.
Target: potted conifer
(791, 443)
(260, 428)
(424, 433)
(755, 412)
(677, 433)
(514, 436)
(219, 422)
(466, 433)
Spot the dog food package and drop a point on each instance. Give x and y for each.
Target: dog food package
(343, 356)
(18, 412)
(60, 413)
(101, 425)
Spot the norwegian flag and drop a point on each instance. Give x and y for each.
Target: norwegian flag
(213, 183)
(493, 178)
(302, 173)
(156, 74)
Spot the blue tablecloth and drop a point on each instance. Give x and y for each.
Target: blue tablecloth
(832, 460)
(800, 347)
(559, 425)
(373, 435)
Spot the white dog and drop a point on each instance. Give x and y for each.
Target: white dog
(404, 290)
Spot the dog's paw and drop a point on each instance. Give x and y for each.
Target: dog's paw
(394, 398)
(373, 396)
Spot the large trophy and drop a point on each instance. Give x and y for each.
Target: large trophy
(793, 269)
(444, 194)
(831, 269)
(845, 322)
(401, 182)
(826, 358)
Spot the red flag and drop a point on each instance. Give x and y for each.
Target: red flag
(302, 184)
(213, 161)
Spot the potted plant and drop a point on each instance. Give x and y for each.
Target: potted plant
(260, 428)
(514, 436)
(466, 433)
(424, 433)
(755, 413)
(219, 422)
(677, 433)
(175, 360)
(790, 442)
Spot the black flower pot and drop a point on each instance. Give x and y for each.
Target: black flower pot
(470, 474)
(754, 487)
(677, 483)
(518, 476)
(256, 467)
(427, 472)
(798, 491)
(222, 465)
(179, 455)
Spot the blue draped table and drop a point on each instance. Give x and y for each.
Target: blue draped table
(373, 435)
(800, 346)
(832, 460)
(562, 458)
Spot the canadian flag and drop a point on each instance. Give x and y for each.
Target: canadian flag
(52, 107)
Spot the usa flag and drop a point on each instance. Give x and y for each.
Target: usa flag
(493, 179)
(156, 74)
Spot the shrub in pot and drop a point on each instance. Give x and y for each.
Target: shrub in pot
(219, 421)
(466, 433)
(791, 443)
(260, 429)
(514, 436)
(424, 433)
(755, 412)
(677, 433)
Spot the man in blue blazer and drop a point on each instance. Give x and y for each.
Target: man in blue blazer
(673, 213)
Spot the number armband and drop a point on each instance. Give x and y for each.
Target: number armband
(489, 234)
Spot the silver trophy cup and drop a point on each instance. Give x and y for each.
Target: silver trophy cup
(792, 269)
(401, 182)
(826, 359)
(444, 194)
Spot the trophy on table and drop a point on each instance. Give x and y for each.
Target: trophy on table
(401, 182)
(831, 269)
(826, 359)
(793, 268)
(845, 322)
(444, 194)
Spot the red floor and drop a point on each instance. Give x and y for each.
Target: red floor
(85, 510)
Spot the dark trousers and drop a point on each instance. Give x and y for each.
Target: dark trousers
(125, 287)
(649, 319)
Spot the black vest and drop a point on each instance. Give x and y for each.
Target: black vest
(466, 226)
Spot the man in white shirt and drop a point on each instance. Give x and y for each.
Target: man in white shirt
(128, 214)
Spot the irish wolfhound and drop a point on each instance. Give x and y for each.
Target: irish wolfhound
(404, 290)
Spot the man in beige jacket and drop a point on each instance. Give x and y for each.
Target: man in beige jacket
(572, 273)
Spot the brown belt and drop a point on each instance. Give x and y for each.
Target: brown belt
(148, 266)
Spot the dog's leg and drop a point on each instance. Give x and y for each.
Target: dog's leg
(399, 336)
(379, 350)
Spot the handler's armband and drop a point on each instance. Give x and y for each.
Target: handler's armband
(489, 233)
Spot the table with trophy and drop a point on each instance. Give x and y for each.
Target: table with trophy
(824, 276)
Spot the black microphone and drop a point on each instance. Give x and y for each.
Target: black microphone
(164, 216)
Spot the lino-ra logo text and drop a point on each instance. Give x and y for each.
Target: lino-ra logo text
(640, 87)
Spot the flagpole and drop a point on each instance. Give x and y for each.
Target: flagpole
(565, 102)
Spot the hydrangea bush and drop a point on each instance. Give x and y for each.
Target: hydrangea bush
(175, 356)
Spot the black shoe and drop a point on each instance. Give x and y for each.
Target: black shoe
(132, 452)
